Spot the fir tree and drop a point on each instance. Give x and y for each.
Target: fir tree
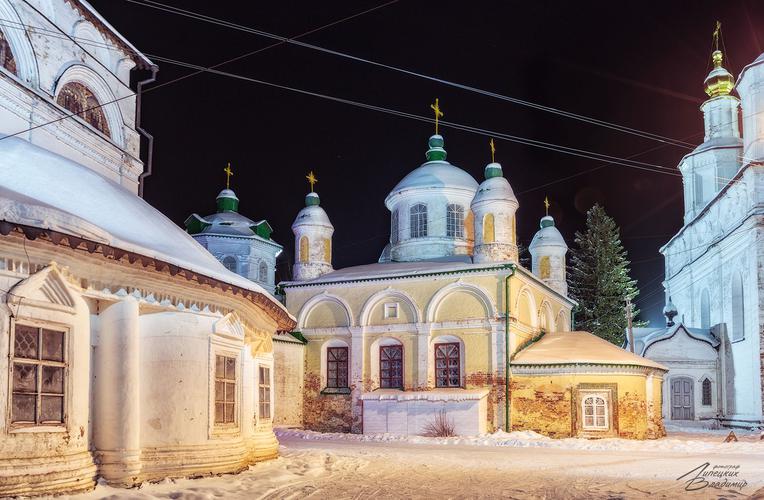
(599, 278)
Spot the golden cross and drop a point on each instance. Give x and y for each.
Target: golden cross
(438, 113)
(716, 34)
(311, 179)
(493, 151)
(228, 174)
(546, 204)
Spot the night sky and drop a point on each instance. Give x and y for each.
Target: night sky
(637, 64)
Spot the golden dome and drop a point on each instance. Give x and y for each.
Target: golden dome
(719, 81)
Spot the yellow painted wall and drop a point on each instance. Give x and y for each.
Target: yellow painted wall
(543, 403)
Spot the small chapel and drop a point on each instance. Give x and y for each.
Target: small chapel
(432, 327)
(128, 352)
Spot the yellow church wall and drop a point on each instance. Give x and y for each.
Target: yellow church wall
(466, 307)
(549, 404)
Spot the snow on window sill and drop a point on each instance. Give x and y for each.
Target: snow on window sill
(29, 428)
(330, 391)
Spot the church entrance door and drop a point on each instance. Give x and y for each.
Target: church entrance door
(682, 399)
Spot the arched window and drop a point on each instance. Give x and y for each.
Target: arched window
(595, 412)
(738, 308)
(304, 249)
(698, 180)
(706, 392)
(418, 220)
(79, 99)
(7, 60)
(262, 273)
(488, 230)
(394, 227)
(230, 263)
(391, 366)
(545, 267)
(455, 220)
(447, 365)
(705, 310)
(327, 250)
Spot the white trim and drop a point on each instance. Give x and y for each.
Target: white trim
(476, 291)
(21, 46)
(371, 303)
(314, 301)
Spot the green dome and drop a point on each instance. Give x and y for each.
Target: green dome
(436, 151)
(227, 201)
(312, 199)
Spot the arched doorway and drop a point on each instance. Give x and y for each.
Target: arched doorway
(682, 399)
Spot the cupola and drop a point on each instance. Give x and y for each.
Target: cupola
(313, 238)
(548, 250)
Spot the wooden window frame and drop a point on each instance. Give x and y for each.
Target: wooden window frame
(454, 220)
(39, 363)
(390, 379)
(335, 382)
(418, 221)
(226, 381)
(438, 380)
(606, 411)
(264, 387)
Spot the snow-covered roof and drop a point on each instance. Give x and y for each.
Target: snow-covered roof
(312, 215)
(645, 337)
(494, 189)
(436, 174)
(548, 235)
(232, 224)
(573, 348)
(388, 270)
(47, 191)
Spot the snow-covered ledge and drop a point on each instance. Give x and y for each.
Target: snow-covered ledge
(433, 395)
(409, 412)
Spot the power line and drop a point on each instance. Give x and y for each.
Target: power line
(169, 82)
(567, 114)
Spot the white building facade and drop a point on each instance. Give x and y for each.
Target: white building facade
(128, 351)
(714, 264)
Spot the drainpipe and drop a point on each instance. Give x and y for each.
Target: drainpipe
(507, 368)
(150, 138)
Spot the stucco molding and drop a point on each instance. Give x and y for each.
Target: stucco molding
(314, 301)
(476, 291)
(21, 46)
(79, 73)
(389, 292)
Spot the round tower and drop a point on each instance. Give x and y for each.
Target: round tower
(548, 251)
(493, 208)
(429, 210)
(750, 86)
(312, 240)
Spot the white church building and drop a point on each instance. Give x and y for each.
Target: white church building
(714, 265)
(128, 351)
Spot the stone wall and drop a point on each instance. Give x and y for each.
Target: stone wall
(289, 374)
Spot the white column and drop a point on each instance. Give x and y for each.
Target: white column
(422, 354)
(116, 408)
(356, 376)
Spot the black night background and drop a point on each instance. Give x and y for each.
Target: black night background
(635, 64)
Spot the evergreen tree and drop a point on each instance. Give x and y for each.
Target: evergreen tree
(599, 278)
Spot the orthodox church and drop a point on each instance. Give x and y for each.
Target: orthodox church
(713, 265)
(128, 351)
(432, 327)
(246, 248)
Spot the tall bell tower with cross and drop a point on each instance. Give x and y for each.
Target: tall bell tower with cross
(312, 237)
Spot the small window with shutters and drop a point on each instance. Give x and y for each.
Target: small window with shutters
(38, 375)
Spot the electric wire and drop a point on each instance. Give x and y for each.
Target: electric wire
(549, 109)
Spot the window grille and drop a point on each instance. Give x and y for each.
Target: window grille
(595, 412)
(455, 221)
(81, 101)
(418, 220)
(391, 367)
(337, 367)
(706, 392)
(38, 376)
(265, 392)
(225, 389)
(447, 369)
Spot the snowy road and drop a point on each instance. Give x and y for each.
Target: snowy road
(311, 468)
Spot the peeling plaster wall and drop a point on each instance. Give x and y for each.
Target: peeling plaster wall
(467, 308)
(549, 404)
(289, 380)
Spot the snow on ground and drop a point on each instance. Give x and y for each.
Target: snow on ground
(522, 465)
(701, 440)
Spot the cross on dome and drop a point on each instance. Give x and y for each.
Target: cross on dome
(228, 174)
(312, 180)
(438, 113)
